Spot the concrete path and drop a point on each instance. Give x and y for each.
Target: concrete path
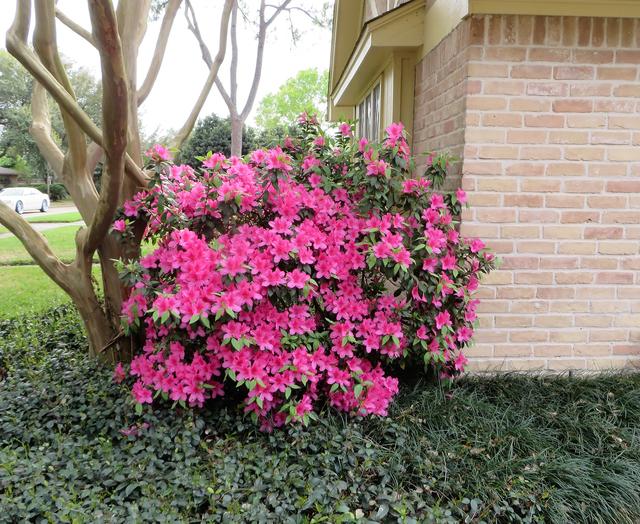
(44, 226)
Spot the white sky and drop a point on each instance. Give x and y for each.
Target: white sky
(183, 71)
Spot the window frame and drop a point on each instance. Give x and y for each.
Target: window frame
(368, 121)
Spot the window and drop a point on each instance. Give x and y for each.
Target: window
(369, 115)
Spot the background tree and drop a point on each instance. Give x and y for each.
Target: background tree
(213, 133)
(116, 34)
(307, 91)
(266, 16)
(16, 86)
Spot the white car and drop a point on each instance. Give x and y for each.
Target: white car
(24, 199)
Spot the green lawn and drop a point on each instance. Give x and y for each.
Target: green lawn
(61, 240)
(72, 216)
(27, 289)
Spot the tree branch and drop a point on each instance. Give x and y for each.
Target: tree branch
(40, 130)
(16, 45)
(94, 154)
(192, 24)
(45, 44)
(161, 46)
(278, 10)
(257, 72)
(37, 247)
(213, 73)
(233, 67)
(114, 117)
(75, 27)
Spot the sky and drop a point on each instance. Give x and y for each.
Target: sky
(183, 72)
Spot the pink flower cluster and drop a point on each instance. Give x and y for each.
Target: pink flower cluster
(268, 276)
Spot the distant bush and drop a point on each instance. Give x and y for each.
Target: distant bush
(56, 191)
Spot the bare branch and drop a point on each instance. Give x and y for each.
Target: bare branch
(114, 117)
(257, 72)
(75, 27)
(161, 46)
(213, 73)
(192, 24)
(41, 130)
(37, 247)
(233, 68)
(278, 10)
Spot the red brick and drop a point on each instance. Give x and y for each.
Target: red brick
(547, 89)
(617, 73)
(531, 71)
(573, 106)
(544, 120)
(573, 72)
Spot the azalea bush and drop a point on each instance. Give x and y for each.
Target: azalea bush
(315, 271)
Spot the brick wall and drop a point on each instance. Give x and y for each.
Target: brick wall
(552, 164)
(439, 104)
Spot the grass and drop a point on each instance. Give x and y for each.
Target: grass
(61, 240)
(72, 216)
(26, 289)
(502, 448)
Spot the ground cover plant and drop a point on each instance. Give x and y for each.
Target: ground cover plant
(505, 448)
(322, 269)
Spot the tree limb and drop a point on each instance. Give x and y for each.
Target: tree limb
(114, 117)
(278, 10)
(16, 45)
(37, 247)
(161, 46)
(213, 73)
(233, 67)
(75, 27)
(94, 154)
(45, 44)
(40, 130)
(257, 72)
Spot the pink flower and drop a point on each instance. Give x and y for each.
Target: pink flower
(297, 279)
(476, 245)
(158, 153)
(461, 361)
(461, 195)
(120, 226)
(443, 319)
(345, 129)
(118, 373)
(377, 167)
(394, 131)
(141, 394)
(422, 332)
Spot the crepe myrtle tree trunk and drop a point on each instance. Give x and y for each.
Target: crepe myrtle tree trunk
(116, 34)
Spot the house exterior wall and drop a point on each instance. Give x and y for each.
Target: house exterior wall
(551, 161)
(439, 104)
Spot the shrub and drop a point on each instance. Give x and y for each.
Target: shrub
(314, 271)
(56, 191)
